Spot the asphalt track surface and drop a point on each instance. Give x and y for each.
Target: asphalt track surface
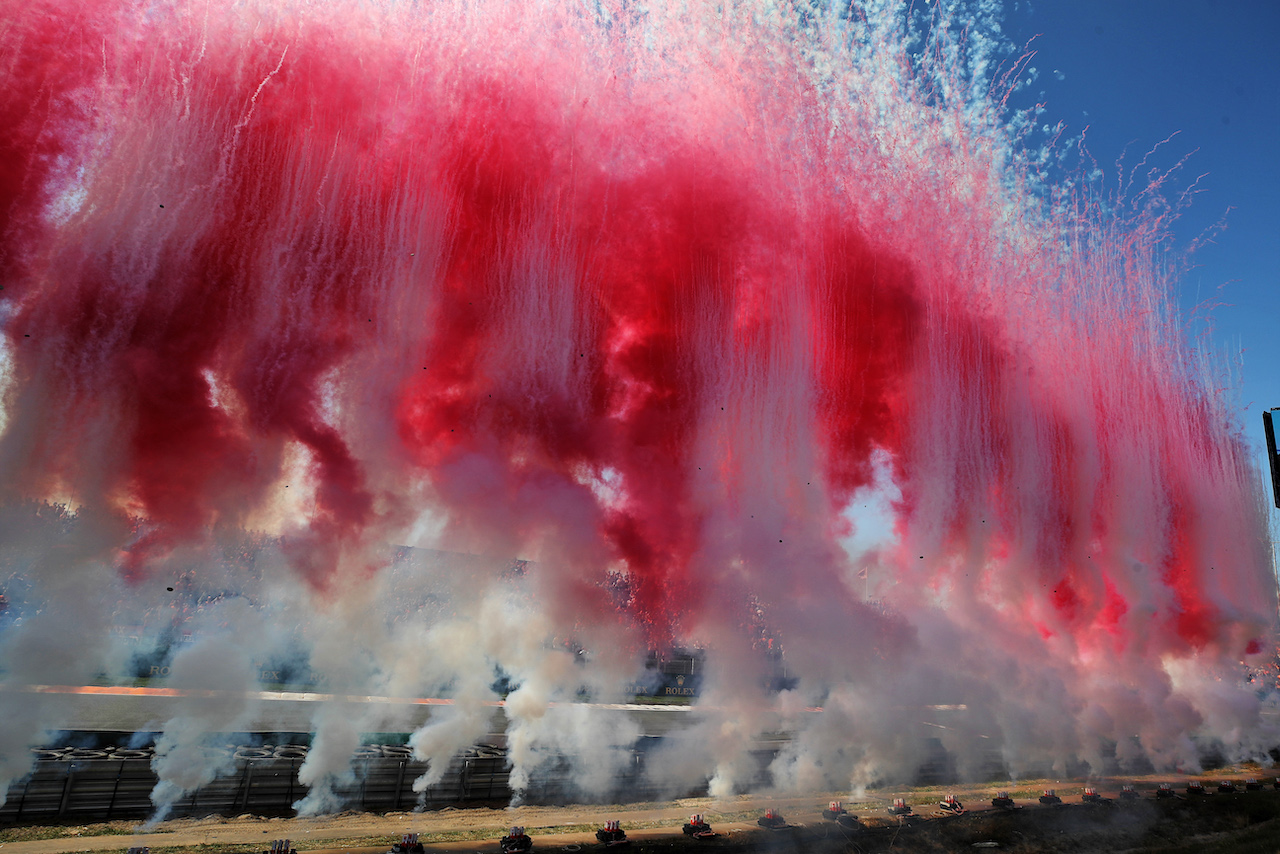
(125, 709)
(92, 708)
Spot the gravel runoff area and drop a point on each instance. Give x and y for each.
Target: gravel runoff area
(1245, 822)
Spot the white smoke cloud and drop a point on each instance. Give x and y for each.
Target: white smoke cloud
(1029, 553)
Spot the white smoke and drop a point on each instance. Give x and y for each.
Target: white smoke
(923, 604)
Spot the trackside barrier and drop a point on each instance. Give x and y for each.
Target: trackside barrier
(82, 785)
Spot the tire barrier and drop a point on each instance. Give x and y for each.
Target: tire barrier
(133, 754)
(72, 753)
(41, 753)
(248, 753)
(397, 751)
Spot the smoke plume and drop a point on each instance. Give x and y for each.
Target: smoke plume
(621, 313)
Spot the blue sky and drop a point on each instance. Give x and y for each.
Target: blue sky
(1136, 71)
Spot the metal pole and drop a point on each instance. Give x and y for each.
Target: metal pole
(246, 780)
(1272, 458)
(114, 790)
(66, 792)
(22, 800)
(399, 785)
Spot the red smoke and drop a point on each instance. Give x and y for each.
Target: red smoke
(581, 305)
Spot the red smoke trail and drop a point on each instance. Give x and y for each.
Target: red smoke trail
(650, 299)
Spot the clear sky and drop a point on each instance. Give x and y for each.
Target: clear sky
(1135, 71)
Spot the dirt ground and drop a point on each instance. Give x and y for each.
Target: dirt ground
(1246, 822)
